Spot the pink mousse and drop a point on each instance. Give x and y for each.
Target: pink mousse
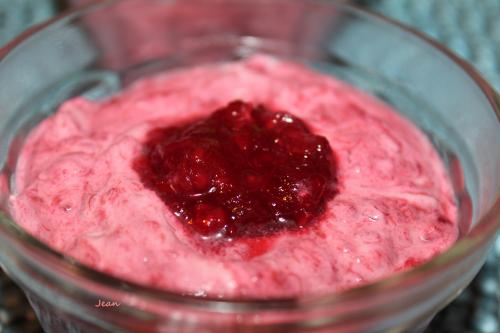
(76, 188)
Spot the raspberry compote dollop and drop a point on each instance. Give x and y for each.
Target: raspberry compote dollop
(244, 171)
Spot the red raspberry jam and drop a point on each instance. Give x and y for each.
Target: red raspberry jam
(245, 171)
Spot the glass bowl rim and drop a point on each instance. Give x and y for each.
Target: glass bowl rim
(482, 233)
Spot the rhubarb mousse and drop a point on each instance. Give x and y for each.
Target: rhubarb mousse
(252, 179)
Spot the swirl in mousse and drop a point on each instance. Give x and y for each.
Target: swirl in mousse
(253, 179)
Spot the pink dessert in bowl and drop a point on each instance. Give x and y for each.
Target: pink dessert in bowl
(251, 179)
(95, 149)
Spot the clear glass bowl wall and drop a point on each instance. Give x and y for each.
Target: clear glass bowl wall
(98, 50)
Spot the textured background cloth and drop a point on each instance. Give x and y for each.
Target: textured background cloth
(470, 28)
(16, 15)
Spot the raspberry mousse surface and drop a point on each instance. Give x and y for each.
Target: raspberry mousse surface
(89, 183)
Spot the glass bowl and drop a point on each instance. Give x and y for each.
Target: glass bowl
(97, 50)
